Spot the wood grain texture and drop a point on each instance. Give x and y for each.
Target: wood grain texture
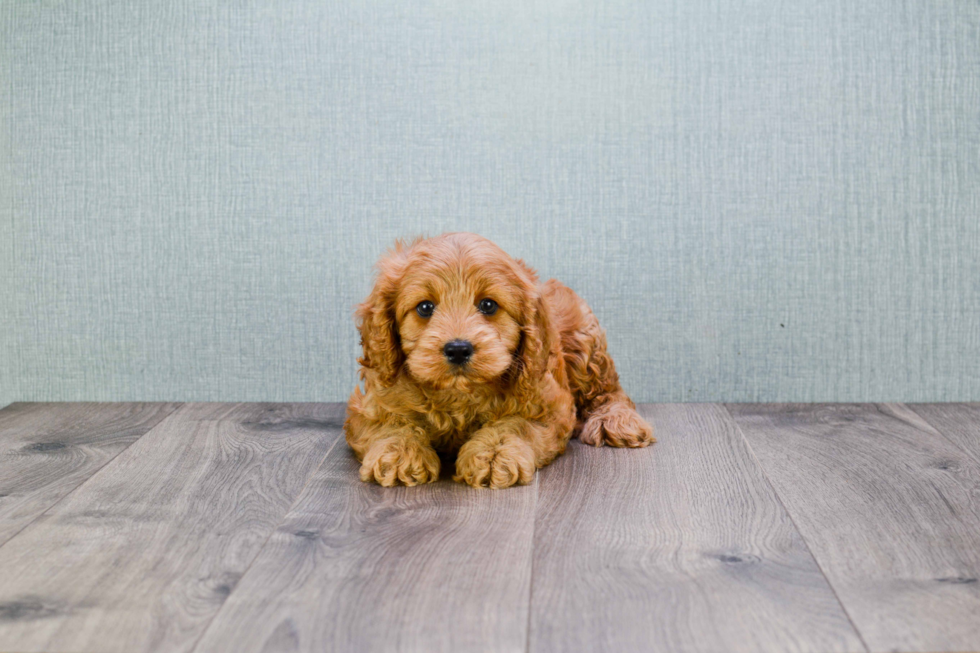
(142, 556)
(891, 511)
(48, 450)
(357, 567)
(960, 423)
(679, 547)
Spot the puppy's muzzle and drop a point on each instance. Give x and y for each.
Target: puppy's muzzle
(458, 351)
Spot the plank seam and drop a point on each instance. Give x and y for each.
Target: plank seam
(177, 408)
(272, 532)
(789, 514)
(530, 582)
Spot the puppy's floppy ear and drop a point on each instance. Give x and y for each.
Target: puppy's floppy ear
(376, 320)
(536, 337)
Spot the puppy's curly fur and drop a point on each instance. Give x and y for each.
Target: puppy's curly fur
(538, 374)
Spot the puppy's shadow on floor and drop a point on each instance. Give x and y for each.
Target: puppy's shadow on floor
(447, 466)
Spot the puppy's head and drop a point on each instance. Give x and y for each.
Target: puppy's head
(454, 311)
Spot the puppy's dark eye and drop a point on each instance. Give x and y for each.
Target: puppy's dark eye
(487, 306)
(425, 308)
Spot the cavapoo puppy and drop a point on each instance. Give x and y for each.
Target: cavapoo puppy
(466, 353)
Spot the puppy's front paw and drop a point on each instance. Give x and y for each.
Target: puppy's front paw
(618, 425)
(403, 461)
(494, 459)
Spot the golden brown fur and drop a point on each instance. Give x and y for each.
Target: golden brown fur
(539, 371)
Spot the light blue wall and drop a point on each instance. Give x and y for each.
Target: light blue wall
(761, 200)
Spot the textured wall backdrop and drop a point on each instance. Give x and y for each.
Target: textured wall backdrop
(761, 200)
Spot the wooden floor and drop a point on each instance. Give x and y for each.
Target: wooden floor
(244, 527)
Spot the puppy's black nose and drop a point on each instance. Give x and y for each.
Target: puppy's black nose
(458, 351)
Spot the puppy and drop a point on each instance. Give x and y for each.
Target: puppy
(466, 354)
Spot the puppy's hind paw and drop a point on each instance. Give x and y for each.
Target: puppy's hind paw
(618, 425)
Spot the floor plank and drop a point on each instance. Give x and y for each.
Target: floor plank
(358, 567)
(48, 450)
(890, 510)
(682, 546)
(960, 423)
(142, 556)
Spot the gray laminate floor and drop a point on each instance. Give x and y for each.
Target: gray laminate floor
(244, 527)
